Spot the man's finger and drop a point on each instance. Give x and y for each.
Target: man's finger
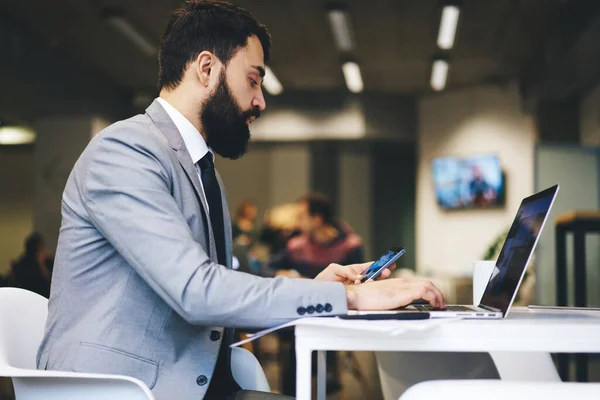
(348, 273)
(430, 286)
(360, 268)
(428, 296)
(384, 274)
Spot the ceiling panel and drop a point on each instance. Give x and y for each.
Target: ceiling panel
(395, 39)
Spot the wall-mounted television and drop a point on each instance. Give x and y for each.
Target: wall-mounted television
(468, 182)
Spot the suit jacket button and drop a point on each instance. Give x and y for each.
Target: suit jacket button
(320, 308)
(215, 335)
(301, 310)
(328, 307)
(202, 380)
(310, 309)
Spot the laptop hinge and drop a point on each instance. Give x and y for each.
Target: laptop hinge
(490, 308)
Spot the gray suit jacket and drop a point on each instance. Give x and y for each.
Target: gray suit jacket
(136, 289)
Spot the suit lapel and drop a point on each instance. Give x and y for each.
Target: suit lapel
(166, 126)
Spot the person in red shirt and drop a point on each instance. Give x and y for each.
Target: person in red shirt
(322, 241)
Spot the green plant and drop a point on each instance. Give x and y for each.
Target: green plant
(492, 251)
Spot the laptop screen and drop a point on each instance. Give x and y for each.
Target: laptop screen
(516, 252)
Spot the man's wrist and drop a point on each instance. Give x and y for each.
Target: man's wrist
(351, 296)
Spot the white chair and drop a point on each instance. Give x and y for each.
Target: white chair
(22, 318)
(501, 390)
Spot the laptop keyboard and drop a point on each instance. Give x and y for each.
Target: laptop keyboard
(427, 307)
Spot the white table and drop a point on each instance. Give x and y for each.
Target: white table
(528, 335)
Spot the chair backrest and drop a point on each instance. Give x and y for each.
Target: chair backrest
(247, 371)
(22, 319)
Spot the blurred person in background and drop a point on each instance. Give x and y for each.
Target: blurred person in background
(244, 230)
(279, 226)
(33, 270)
(322, 240)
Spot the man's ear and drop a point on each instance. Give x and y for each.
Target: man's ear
(205, 63)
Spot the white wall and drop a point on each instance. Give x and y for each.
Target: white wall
(16, 202)
(287, 124)
(268, 174)
(590, 118)
(356, 194)
(59, 144)
(473, 121)
(576, 170)
(296, 116)
(247, 178)
(289, 172)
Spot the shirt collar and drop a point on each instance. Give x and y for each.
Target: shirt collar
(194, 142)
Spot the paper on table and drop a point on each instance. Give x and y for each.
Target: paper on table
(392, 327)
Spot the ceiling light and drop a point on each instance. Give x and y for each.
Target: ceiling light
(121, 24)
(353, 78)
(439, 74)
(271, 83)
(13, 135)
(340, 25)
(448, 25)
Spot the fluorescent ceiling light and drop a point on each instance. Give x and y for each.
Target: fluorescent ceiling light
(340, 25)
(271, 83)
(13, 135)
(448, 25)
(439, 74)
(353, 78)
(124, 26)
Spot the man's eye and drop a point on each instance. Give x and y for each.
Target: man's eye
(253, 82)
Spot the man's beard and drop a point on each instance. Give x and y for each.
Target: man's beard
(224, 123)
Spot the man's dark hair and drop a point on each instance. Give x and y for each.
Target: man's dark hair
(198, 25)
(319, 204)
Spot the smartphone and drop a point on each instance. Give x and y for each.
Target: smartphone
(384, 261)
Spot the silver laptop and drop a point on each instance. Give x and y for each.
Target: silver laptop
(511, 265)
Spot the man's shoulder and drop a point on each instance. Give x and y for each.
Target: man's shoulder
(137, 134)
(137, 129)
(130, 142)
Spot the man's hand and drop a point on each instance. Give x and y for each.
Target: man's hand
(349, 273)
(392, 293)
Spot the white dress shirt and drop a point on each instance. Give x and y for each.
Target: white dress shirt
(194, 142)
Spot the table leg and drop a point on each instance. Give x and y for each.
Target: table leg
(581, 364)
(521, 366)
(321, 375)
(303, 371)
(580, 272)
(561, 266)
(561, 290)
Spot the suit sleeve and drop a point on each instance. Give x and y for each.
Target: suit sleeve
(127, 192)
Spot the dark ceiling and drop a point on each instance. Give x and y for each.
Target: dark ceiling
(395, 41)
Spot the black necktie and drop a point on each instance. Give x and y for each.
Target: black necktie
(215, 204)
(223, 382)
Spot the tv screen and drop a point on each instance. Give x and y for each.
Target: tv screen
(471, 182)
